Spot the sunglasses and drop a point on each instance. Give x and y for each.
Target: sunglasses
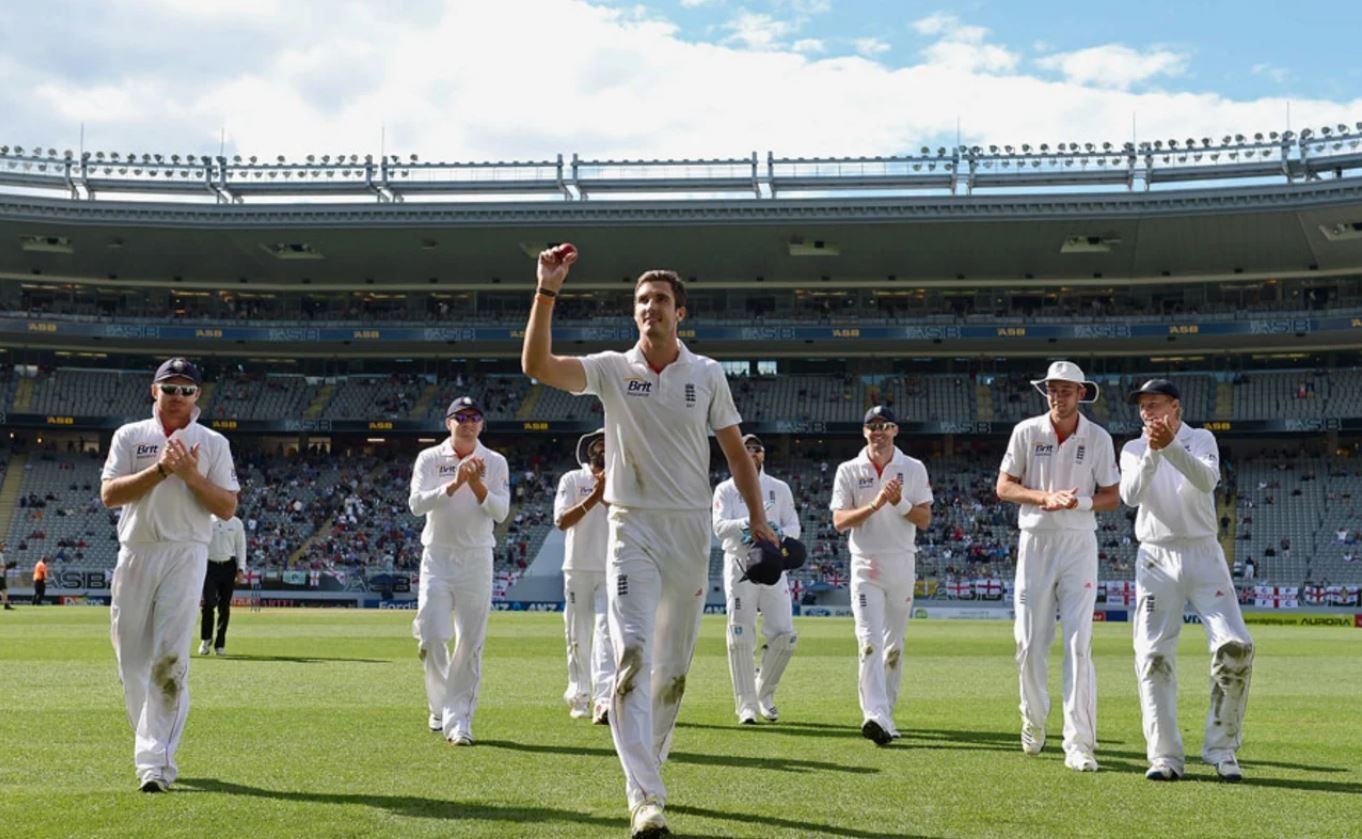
(880, 426)
(755, 449)
(179, 390)
(463, 418)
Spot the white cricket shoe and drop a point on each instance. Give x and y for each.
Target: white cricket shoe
(747, 717)
(436, 723)
(647, 821)
(1080, 761)
(579, 708)
(1228, 770)
(219, 651)
(154, 783)
(460, 738)
(1032, 740)
(768, 710)
(204, 647)
(1162, 770)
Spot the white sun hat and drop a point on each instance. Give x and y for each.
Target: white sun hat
(1067, 371)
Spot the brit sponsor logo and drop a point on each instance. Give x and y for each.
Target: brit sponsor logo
(638, 387)
(148, 449)
(1044, 449)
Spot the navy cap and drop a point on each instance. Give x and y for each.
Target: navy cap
(175, 368)
(880, 413)
(763, 564)
(1159, 386)
(463, 403)
(752, 441)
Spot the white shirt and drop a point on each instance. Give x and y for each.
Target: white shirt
(730, 512)
(169, 513)
(657, 426)
(887, 532)
(228, 542)
(1086, 460)
(458, 521)
(1174, 487)
(585, 541)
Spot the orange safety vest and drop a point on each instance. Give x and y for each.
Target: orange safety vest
(40, 572)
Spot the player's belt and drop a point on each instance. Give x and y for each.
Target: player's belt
(222, 560)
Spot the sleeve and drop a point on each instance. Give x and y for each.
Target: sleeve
(119, 461)
(789, 516)
(1014, 459)
(240, 533)
(1137, 470)
(728, 524)
(1105, 471)
(424, 497)
(722, 412)
(843, 494)
(498, 501)
(595, 366)
(1201, 465)
(562, 499)
(922, 486)
(222, 471)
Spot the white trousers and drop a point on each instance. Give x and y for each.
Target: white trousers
(881, 601)
(1167, 577)
(744, 599)
(155, 602)
(586, 627)
(656, 580)
(1058, 568)
(453, 601)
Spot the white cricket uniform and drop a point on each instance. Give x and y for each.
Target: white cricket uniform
(456, 577)
(1057, 561)
(755, 690)
(1180, 560)
(586, 625)
(162, 559)
(657, 428)
(883, 571)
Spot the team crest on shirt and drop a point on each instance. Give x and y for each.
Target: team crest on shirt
(690, 394)
(1044, 449)
(1078, 456)
(637, 386)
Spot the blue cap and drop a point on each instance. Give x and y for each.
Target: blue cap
(463, 403)
(880, 413)
(175, 368)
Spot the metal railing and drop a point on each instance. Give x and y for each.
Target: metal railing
(1234, 160)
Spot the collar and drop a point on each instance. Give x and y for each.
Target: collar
(864, 456)
(193, 417)
(1048, 427)
(636, 357)
(446, 447)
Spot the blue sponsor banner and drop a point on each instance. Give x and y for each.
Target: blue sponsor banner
(527, 605)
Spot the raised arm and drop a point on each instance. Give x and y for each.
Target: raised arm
(537, 360)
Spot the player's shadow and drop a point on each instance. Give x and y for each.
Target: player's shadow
(771, 823)
(798, 729)
(779, 764)
(306, 659)
(407, 805)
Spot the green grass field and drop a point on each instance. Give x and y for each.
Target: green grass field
(315, 726)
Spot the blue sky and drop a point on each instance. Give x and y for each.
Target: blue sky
(529, 79)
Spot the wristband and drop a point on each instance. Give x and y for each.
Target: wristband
(1084, 504)
(903, 508)
(162, 470)
(546, 292)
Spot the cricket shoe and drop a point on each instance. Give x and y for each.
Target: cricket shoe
(1162, 770)
(579, 708)
(154, 783)
(204, 648)
(436, 723)
(1032, 740)
(1080, 761)
(747, 718)
(768, 711)
(1228, 770)
(876, 733)
(646, 821)
(602, 714)
(220, 651)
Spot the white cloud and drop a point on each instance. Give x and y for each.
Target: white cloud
(961, 48)
(695, 4)
(468, 80)
(870, 46)
(1114, 65)
(758, 31)
(1280, 75)
(809, 45)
